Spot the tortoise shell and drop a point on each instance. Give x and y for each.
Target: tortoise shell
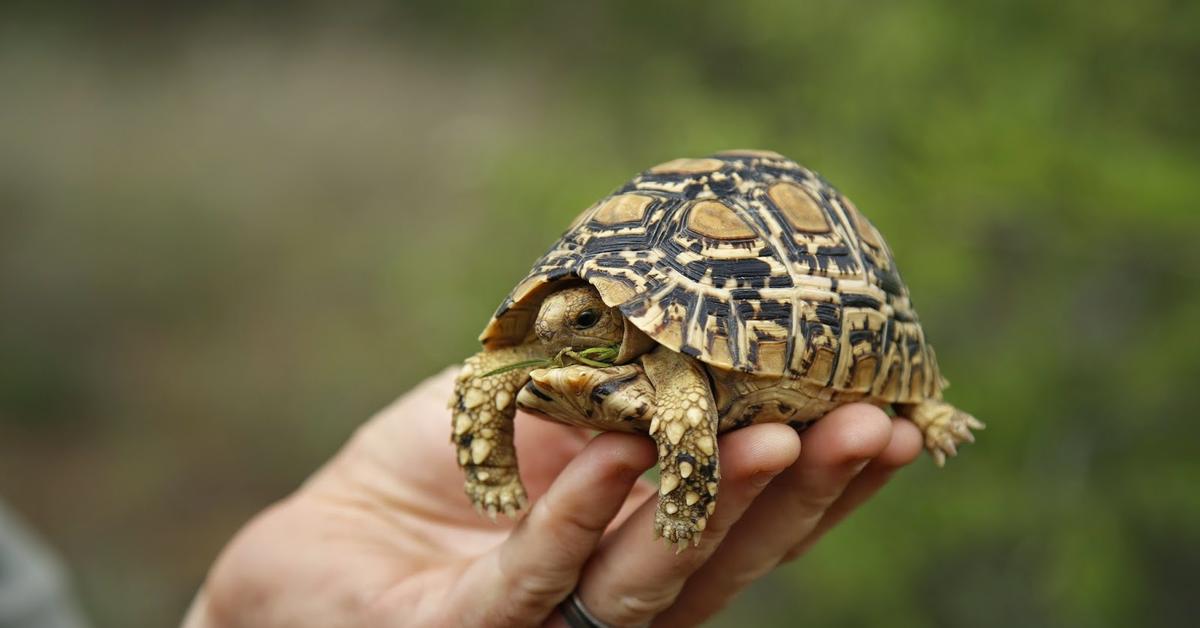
(747, 261)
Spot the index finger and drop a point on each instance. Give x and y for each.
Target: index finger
(634, 576)
(524, 578)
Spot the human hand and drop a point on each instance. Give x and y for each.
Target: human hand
(383, 535)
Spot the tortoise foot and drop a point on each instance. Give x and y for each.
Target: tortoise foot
(492, 498)
(945, 427)
(680, 526)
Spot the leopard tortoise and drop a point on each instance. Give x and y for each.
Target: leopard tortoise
(735, 289)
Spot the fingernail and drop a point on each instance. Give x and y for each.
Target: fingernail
(859, 464)
(763, 478)
(629, 473)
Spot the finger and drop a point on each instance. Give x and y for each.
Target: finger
(544, 448)
(906, 444)
(522, 580)
(634, 576)
(835, 450)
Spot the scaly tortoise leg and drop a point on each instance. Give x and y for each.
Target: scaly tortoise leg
(943, 425)
(483, 409)
(685, 428)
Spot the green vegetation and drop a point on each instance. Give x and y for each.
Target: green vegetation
(598, 357)
(226, 237)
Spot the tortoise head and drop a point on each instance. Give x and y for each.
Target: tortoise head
(577, 317)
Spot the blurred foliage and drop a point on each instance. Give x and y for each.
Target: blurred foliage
(227, 235)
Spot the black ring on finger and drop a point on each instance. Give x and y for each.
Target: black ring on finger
(577, 615)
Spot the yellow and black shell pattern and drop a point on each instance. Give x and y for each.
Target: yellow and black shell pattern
(747, 261)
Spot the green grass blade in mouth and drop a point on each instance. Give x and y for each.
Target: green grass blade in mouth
(602, 354)
(583, 360)
(597, 357)
(540, 362)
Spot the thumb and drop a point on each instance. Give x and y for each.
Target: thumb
(524, 578)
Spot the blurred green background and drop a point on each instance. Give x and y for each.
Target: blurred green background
(228, 235)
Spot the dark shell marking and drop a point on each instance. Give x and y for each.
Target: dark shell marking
(747, 261)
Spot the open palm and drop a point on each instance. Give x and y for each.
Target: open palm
(384, 536)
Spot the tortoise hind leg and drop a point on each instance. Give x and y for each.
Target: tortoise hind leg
(943, 425)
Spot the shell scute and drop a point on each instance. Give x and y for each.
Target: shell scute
(622, 208)
(798, 207)
(718, 221)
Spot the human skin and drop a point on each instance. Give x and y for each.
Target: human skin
(383, 535)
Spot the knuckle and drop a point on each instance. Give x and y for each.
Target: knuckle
(632, 609)
(534, 591)
(558, 520)
(812, 503)
(746, 577)
(562, 523)
(529, 592)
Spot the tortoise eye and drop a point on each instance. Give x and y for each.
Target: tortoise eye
(587, 318)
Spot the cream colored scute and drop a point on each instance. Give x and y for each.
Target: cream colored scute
(622, 208)
(798, 207)
(687, 166)
(716, 220)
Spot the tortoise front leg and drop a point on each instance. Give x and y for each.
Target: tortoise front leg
(482, 429)
(685, 429)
